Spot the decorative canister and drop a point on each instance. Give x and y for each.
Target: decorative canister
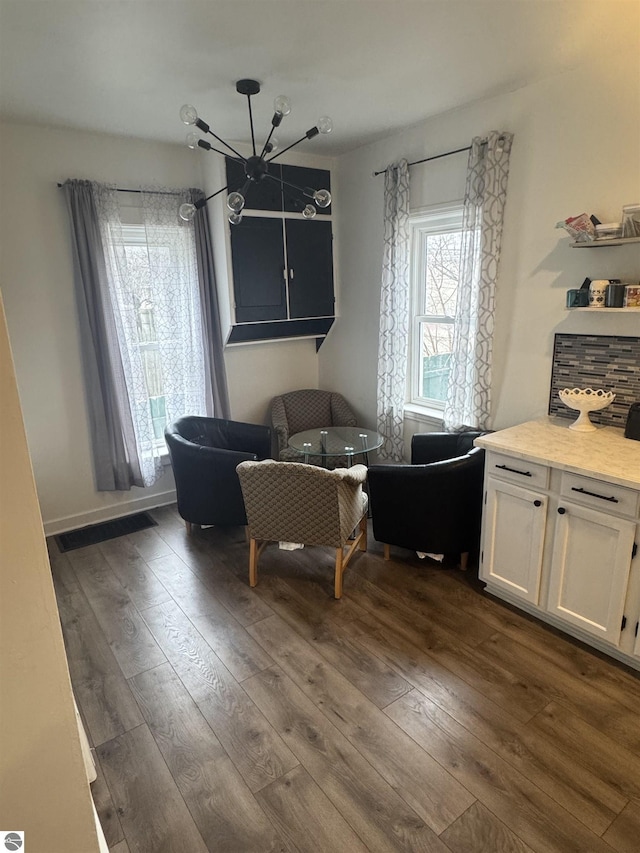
(615, 295)
(597, 292)
(608, 231)
(632, 296)
(577, 298)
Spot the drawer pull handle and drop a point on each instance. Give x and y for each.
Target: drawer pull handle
(595, 495)
(537, 503)
(515, 471)
(561, 510)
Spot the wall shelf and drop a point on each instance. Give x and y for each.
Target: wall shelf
(599, 244)
(607, 310)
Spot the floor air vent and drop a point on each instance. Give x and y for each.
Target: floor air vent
(101, 532)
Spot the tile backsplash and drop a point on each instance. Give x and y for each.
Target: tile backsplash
(610, 362)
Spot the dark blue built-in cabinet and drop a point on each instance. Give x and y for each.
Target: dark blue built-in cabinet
(282, 264)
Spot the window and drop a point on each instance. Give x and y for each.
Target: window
(436, 238)
(159, 292)
(154, 292)
(137, 253)
(142, 324)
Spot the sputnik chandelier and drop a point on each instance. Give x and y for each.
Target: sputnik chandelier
(256, 167)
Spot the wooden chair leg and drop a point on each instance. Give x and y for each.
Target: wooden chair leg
(189, 527)
(363, 530)
(339, 573)
(387, 552)
(464, 560)
(253, 562)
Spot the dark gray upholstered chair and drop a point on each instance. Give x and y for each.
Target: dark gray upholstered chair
(204, 455)
(292, 502)
(434, 505)
(298, 411)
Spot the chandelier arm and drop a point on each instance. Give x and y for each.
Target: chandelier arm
(253, 136)
(307, 191)
(202, 143)
(224, 154)
(230, 147)
(288, 148)
(310, 134)
(213, 195)
(244, 191)
(268, 139)
(293, 199)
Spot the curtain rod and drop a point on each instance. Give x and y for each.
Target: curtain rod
(427, 159)
(149, 192)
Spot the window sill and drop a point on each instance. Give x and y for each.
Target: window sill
(423, 414)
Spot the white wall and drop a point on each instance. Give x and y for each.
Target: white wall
(576, 148)
(37, 286)
(44, 789)
(36, 279)
(577, 138)
(262, 371)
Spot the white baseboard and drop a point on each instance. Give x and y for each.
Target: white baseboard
(95, 516)
(102, 842)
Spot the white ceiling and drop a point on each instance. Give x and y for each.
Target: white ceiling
(126, 66)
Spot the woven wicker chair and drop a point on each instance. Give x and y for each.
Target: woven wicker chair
(298, 411)
(292, 502)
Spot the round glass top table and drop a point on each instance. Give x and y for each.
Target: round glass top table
(336, 441)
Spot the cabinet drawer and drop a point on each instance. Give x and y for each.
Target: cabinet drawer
(517, 470)
(607, 497)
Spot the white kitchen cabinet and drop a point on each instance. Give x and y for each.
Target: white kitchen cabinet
(515, 523)
(590, 566)
(560, 523)
(635, 621)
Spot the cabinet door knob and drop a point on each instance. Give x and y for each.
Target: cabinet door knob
(561, 510)
(537, 503)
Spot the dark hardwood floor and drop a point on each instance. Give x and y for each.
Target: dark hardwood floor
(416, 714)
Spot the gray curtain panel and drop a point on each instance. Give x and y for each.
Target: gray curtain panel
(394, 313)
(468, 403)
(217, 391)
(111, 276)
(112, 434)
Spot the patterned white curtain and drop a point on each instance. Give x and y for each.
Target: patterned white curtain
(394, 313)
(153, 283)
(468, 402)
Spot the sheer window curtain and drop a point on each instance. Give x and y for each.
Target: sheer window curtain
(142, 327)
(394, 313)
(468, 402)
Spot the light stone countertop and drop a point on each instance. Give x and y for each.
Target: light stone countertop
(605, 454)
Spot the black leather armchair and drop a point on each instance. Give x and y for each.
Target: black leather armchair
(204, 455)
(433, 505)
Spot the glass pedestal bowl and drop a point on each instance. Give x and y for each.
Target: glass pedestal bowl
(585, 400)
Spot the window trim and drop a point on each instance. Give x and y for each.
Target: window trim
(434, 219)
